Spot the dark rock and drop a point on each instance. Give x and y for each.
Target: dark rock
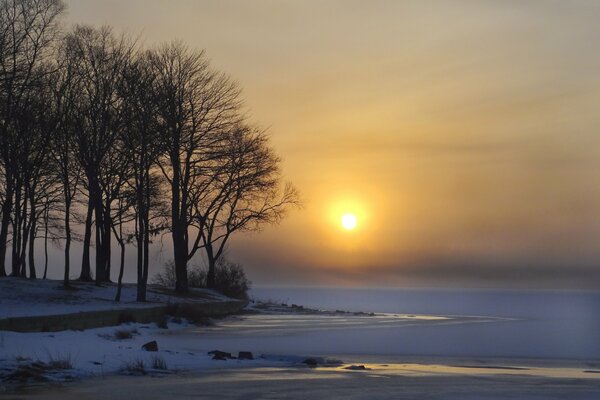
(357, 368)
(311, 362)
(219, 355)
(150, 346)
(245, 355)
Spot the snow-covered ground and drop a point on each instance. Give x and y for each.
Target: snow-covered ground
(21, 297)
(404, 356)
(276, 336)
(103, 351)
(280, 343)
(184, 346)
(334, 383)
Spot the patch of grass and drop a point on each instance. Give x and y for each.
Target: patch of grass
(159, 363)
(135, 367)
(122, 334)
(125, 317)
(60, 362)
(172, 308)
(204, 321)
(162, 324)
(34, 371)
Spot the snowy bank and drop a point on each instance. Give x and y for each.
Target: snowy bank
(44, 305)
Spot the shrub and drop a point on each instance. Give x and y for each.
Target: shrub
(159, 363)
(60, 362)
(163, 323)
(122, 334)
(230, 278)
(136, 366)
(166, 278)
(125, 318)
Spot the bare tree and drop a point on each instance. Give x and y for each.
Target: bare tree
(115, 173)
(104, 125)
(195, 106)
(241, 192)
(141, 139)
(28, 29)
(68, 171)
(34, 128)
(122, 215)
(99, 59)
(52, 220)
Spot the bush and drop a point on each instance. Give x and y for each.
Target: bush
(64, 363)
(163, 323)
(166, 278)
(122, 334)
(125, 318)
(230, 278)
(159, 363)
(134, 367)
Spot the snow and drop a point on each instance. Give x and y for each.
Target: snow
(21, 297)
(420, 354)
(96, 352)
(280, 342)
(274, 336)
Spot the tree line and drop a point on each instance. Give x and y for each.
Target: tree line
(124, 143)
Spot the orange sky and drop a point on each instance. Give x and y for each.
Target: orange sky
(464, 135)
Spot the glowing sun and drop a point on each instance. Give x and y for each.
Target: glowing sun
(349, 221)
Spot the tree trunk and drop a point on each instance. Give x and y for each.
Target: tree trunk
(32, 233)
(16, 240)
(46, 242)
(141, 288)
(180, 253)
(106, 242)
(32, 273)
(6, 212)
(121, 269)
(146, 227)
(86, 270)
(67, 243)
(25, 236)
(178, 230)
(99, 241)
(210, 276)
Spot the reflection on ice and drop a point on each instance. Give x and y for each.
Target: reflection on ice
(257, 324)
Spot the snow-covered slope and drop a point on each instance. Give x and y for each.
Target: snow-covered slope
(21, 297)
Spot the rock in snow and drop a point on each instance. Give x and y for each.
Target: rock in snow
(357, 368)
(151, 346)
(311, 362)
(219, 355)
(245, 355)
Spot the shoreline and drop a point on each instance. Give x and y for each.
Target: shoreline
(373, 350)
(408, 381)
(45, 306)
(197, 363)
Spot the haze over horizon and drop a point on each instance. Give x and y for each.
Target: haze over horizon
(464, 136)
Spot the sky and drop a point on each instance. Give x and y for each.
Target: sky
(464, 135)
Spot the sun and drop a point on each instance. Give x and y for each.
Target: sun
(349, 221)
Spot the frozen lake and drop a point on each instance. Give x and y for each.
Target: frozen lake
(540, 324)
(435, 344)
